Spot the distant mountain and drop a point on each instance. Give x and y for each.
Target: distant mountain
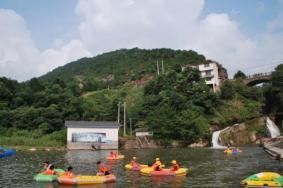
(122, 66)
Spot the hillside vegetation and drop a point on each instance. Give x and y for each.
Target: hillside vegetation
(122, 66)
(175, 105)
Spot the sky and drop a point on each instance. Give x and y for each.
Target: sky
(38, 36)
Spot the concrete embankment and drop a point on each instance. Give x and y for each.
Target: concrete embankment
(148, 142)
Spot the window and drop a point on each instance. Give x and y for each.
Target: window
(208, 73)
(206, 65)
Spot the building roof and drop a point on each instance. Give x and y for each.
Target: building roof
(141, 130)
(92, 124)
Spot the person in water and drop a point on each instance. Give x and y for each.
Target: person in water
(69, 172)
(157, 166)
(134, 163)
(102, 169)
(113, 154)
(175, 166)
(50, 171)
(46, 166)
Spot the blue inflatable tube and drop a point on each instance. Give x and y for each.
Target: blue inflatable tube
(7, 153)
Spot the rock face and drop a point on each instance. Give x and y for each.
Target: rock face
(199, 144)
(244, 133)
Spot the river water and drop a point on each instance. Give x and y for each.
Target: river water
(207, 167)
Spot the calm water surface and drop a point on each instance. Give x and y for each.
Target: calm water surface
(207, 167)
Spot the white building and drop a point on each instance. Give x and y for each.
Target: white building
(143, 132)
(213, 73)
(92, 135)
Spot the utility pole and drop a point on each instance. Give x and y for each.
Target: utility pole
(162, 66)
(131, 129)
(157, 65)
(124, 118)
(118, 118)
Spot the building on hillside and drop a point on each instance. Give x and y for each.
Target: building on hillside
(92, 135)
(213, 73)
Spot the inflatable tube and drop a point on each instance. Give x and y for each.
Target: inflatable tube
(137, 168)
(164, 172)
(116, 158)
(7, 153)
(231, 151)
(264, 179)
(47, 178)
(86, 180)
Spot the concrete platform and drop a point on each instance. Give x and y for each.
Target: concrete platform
(89, 146)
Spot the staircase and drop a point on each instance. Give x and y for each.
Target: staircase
(143, 142)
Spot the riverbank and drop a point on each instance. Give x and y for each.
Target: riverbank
(37, 148)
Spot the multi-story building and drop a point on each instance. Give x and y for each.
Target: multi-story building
(213, 73)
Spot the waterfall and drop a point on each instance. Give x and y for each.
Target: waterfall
(215, 140)
(272, 128)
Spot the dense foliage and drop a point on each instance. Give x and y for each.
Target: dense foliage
(274, 94)
(36, 107)
(118, 67)
(177, 104)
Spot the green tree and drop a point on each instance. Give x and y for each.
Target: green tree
(240, 74)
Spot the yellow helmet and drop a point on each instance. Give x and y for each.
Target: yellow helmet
(174, 162)
(157, 159)
(134, 158)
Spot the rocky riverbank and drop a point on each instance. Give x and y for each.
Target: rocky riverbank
(244, 133)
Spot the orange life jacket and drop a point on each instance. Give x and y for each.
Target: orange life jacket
(69, 174)
(49, 172)
(103, 169)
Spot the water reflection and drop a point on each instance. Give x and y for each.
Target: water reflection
(207, 167)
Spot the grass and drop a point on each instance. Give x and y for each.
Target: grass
(23, 140)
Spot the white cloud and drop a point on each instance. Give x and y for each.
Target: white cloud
(21, 59)
(17, 50)
(110, 24)
(52, 58)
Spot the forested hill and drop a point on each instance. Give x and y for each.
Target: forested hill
(121, 66)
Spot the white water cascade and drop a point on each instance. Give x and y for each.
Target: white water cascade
(215, 140)
(272, 128)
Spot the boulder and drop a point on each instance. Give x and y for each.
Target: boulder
(243, 133)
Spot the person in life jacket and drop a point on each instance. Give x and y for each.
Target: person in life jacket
(134, 163)
(113, 154)
(102, 169)
(175, 166)
(46, 165)
(157, 166)
(69, 173)
(50, 171)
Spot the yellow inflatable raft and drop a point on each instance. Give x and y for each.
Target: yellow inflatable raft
(86, 180)
(137, 168)
(118, 157)
(266, 179)
(164, 172)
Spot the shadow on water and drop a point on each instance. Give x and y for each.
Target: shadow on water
(207, 167)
